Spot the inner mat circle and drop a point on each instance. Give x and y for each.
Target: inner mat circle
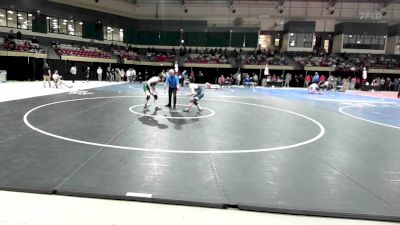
(163, 113)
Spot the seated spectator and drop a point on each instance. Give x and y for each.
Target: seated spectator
(247, 81)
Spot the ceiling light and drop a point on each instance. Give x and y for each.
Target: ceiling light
(11, 12)
(19, 14)
(29, 14)
(64, 23)
(54, 20)
(47, 17)
(10, 18)
(80, 23)
(1, 15)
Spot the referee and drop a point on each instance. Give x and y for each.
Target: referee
(172, 82)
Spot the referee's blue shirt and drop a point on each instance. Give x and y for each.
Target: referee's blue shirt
(172, 82)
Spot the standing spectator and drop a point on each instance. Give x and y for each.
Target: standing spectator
(315, 78)
(176, 68)
(287, 80)
(238, 78)
(133, 74)
(352, 83)
(398, 88)
(108, 74)
(364, 76)
(19, 35)
(99, 73)
(46, 74)
(307, 80)
(322, 79)
(395, 84)
(184, 75)
(162, 75)
(255, 79)
(358, 83)
(192, 78)
(122, 74)
(87, 74)
(112, 75)
(128, 75)
(172, 82)
(221, 80)
(388, 84)
(73, 71)
(117, 75)
(382, 84)
(201, 77)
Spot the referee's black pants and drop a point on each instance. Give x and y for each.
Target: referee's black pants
(172, 91)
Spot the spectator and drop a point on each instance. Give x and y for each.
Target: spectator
(247, 81)
(73, 71)
(255, 79)
(19, 35)
(108, 74)
(46, 74)
(87, 74)
(287, 80)
(128, 75)
(34, 40)
(99, 73)
(307, 80)
(221, 80)
(11, 34)
(315, 78)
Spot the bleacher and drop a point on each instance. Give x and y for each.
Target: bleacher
(72, 50)
(206, 59)
(20, 46)
(127, 55)
(262, 58)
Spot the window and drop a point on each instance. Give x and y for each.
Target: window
(53, 24)
(374, 42)
(15, 19)
(64, 26)
(264, 41)
(326, 45)
(114, 34)
(12, 19)
(3, 19)
(277, 42)
(301, 40)
(78, 28)
(22, 20)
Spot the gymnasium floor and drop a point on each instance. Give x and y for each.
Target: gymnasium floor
(273, 150)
